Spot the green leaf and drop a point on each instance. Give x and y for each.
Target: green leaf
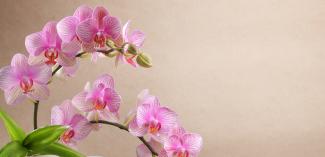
(42, 137)
(15, 132)
(60, 150)
(13, 149)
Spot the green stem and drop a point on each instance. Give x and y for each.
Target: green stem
(35, 113)
(122, 127)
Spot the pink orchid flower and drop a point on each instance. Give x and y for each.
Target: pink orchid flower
(95, 31)
(135, 39)
(67, 27)
(20, 80)
(182, 144)
(48, 46)
(100, 100)
(66, 114)
(152, 119)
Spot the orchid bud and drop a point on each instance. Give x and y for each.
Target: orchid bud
(110, 43)
(144, 61)
(131, 49)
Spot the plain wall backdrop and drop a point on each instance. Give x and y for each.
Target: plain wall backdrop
(248, 75)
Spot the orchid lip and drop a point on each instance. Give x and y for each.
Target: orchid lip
(154, 127)
(26, 85)
(68, 135)
(99, 105)
(51, 55)
(100, 40)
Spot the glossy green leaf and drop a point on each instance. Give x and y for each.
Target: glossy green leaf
(60, 150)
(15, 132)
(42, 137)
(13, 149)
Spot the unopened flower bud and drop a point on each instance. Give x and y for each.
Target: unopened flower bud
(131, 49)
(144, 61)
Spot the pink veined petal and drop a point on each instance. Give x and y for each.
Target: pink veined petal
(87, 30)
(172, 144)
(125, 31)
(65, 60)
(14, 95)
(81, 126)
(68, 110)
(35, 44)
(136, 130)
(43, 74)
(167, 118)
(192, 142)
(83, 12)
(50, 33)
(66, 28)
(99, 14)
(57, 116)
(71, 48)
(112, 26)
(39, 92)
(19, 60)
(105, 80)
(79, 101)
(132, 62)
(146, 111)
(113, 98)
(137, 38)
(6, 78)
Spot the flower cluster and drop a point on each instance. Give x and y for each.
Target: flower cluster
(95, 32)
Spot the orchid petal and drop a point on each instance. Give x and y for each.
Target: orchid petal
(99, 14)
(66, 28)
(39, 92)
(43, 74)
(145, 111)
(35, 44)
(50, 33)
(57, 116)
(113, 98)
(19, 60)
(71, 48)
(192, 142)
(6, 79)
(112, 26)
(125, 31)
(137, 38)
(65, 60)
(14, 95)
(137, 130)
(83, 12)
(105, 80)
(79, 101)
(167, 118)
(81, 126)
(86, 30)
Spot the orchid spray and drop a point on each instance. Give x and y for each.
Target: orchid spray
(56, 50)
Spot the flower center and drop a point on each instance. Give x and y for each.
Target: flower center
(51, 55)
(26, 85)
(154, 127)
(99, 105)
(66, 137)
(100, 40)
(182, 154)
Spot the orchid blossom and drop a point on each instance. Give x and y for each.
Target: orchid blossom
(46, 46)
(152, 119)
(20, 80)
(67, 115)
(96, 31)
(100, 100)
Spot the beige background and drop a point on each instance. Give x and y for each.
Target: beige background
(248, 75)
